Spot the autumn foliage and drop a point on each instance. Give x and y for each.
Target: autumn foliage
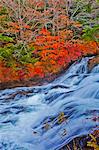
(54, 55)
(54, 47)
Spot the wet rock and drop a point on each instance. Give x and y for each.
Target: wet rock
(93, 62)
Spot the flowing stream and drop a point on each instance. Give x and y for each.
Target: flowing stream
(48, 117)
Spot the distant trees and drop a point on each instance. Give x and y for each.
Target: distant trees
(25, 18)
(85, 11)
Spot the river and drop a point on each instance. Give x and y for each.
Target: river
(48, 117)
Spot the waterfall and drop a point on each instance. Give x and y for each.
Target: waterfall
(31, 121)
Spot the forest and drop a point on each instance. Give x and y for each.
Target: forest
(39, 41)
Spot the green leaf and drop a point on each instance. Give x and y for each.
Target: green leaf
(5, 38)
(91, 33)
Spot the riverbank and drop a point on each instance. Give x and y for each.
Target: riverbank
(37, 81)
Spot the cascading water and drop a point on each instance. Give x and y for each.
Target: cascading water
(31, 121)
